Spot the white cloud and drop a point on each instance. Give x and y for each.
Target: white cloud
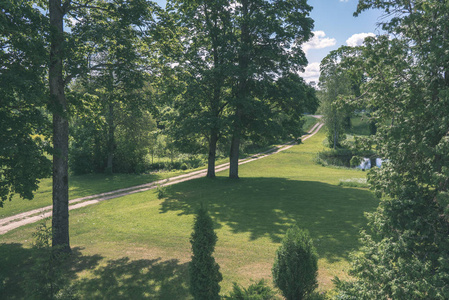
(312, 72)
(358, 38)
(318, 41)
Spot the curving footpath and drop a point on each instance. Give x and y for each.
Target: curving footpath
(10, 223)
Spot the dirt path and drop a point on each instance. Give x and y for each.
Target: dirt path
(10, 223)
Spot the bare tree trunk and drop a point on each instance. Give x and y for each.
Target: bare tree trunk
(242, 92)
(58, 103)
(217, 86)
(212, 154)
(234, 158)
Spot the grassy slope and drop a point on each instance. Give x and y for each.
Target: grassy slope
(138, 246)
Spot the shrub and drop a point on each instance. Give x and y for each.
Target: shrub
(296, 265)
(256, 291)
(203, 270)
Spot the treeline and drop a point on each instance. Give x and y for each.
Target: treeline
(101, 84)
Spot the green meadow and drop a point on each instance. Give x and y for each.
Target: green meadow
(137, 246)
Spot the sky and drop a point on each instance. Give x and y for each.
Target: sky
(335, 26)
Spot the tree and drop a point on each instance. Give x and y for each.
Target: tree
(340, 80)
(268, 42)
(277, 113)
(204, 271)
(205, 33)
(58, 105)
(68, 59)
(405, 251)
(332, 89)
(295, 268)
(118, 62)
(24, 124)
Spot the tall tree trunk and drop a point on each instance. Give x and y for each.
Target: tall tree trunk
(242, 92)
(212, 152)
(217, 86)
(111, 140)
(234, 157)
(60, 221)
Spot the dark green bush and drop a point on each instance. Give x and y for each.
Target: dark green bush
(203, 270)
(256, 291)
(295, 267)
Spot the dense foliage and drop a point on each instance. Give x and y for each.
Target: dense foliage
(295, 268)
(204, 272)
(405, 253)
(24, 126)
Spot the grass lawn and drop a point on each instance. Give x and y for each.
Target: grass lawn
(137, 247)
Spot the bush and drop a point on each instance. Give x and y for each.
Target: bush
(203, 270)
(256, 291)
(295, 267)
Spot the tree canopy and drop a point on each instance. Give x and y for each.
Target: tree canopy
(24, 125)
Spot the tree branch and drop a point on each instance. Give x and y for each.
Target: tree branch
(66, 7)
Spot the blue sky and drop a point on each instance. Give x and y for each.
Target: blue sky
(334, 26)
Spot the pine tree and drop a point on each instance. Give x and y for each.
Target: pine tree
(204, 271)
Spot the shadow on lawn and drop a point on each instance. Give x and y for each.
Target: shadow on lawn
(267, 207)
(138, 279)
(16, 262)
(114, 279)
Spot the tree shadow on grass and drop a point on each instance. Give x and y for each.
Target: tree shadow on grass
(16, 262)
(267, 207)
(116, 279)
(137, 279)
